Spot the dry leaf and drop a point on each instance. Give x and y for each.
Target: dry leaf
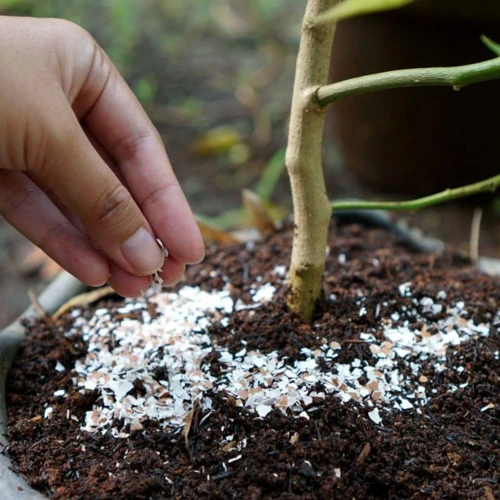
(216, 235)
(187, 424)
(258, 213)
(83, 299)
(454, 458)
(488, 493)
(229, 446)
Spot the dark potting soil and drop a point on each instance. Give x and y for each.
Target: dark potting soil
(451, 449)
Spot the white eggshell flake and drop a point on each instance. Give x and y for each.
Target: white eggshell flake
(155, 368)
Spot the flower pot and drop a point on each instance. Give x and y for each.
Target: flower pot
(418, 140)
(326, 443)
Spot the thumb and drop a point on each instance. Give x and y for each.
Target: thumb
(91, 191)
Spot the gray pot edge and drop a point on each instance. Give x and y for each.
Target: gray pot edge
(60, 290)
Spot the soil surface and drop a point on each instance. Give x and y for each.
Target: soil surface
(448, 448)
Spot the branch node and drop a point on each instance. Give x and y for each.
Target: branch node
(316, 101)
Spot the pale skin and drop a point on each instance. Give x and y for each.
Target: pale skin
(83, 172)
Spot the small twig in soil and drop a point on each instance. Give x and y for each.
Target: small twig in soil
(485, 480)
(39, 311)
(224, 475)
(318, 433)
(246, 272)
(364, 454)
(205, 418)
(381, 428)
(475, 231)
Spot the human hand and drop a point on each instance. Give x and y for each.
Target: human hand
(83, 172)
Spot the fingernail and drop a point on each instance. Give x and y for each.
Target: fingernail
(202, 258)
(142, 252)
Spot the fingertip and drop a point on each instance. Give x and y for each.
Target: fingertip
(191, 249)
(173, 271)
(82, 261)
(196, 254)
(126, 284)
(96, 273)
(96, 283)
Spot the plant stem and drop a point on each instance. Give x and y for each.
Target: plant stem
(304, 163)
(456, 77)
(490, 185)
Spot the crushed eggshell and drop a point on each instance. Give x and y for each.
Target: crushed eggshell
(128, 347)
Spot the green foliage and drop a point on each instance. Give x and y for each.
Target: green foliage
(6, 5)
(115, 23)
(238, 217)
(271, 175)
(493, 46)
(352, 8)
(123, 32)
(146, 88)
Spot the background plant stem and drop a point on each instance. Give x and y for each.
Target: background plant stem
(304, 163)
(488, 185)
(456, 77)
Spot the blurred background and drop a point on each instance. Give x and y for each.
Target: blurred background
(216, 79)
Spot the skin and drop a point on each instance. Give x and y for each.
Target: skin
(82, 168)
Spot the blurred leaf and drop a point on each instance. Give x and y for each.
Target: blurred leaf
(493, 46)
(124, 28)
(351, 8)
(214, 234)
(227, 220)
(12, 4)
(238, 217)
(216, 141)
(258, 213)
(145, 89)
(271, 175)
(495, 206)
(239, 154)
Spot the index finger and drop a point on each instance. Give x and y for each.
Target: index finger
(121, 125)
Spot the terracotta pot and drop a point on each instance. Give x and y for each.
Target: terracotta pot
(419, 140)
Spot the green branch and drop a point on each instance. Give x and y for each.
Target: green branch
(456, 77)
(490, 185)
